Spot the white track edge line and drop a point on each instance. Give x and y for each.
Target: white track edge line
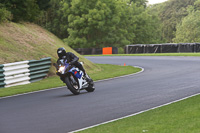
(142, 70)
(134, 113)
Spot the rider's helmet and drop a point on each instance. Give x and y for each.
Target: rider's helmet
(61, 52)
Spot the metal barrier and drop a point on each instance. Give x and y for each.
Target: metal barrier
(2, 79)
(23, 72)
(39, 68)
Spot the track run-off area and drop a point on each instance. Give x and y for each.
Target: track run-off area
(165, 79)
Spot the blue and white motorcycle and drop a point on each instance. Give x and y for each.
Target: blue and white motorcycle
(73, 77)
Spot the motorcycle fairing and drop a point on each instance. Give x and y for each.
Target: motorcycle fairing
(79, 74)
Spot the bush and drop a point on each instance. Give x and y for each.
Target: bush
(189, 29)
(121, 50)
(21, 10)
(5, 15)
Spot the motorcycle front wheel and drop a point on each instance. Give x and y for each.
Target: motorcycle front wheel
(73, 88)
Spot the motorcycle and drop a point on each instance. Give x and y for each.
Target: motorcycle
(73, 77)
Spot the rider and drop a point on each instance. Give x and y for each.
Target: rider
(71, 59)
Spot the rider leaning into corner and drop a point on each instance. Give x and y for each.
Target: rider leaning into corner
(72, 60)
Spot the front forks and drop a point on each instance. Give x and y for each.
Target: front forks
(72, 79)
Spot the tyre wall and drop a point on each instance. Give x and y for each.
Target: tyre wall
(163, 48)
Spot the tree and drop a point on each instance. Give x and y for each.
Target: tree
(197, 5)
(189, 29)
(55, 18)
(148, 26)
(99, 23)
(5, 15)
(43, 4)
(171, 13)
(22, 10)
(139, 2)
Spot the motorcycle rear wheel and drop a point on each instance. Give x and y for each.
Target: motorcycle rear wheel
(71, 87)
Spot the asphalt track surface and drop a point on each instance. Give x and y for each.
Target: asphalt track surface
(164, 80)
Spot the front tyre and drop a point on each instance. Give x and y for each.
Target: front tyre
(74, 89)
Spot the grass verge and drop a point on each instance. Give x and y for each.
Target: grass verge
(180, 117)
(154, 54)
(107, 71)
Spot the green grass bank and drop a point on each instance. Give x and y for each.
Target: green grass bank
(27, 41)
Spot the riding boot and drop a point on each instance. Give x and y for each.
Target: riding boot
(63, 80)
(87, 78)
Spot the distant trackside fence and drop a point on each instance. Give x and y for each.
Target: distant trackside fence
(96, 51)
(162, 48)
(23, 72)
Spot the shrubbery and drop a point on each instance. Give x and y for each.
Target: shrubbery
(5, 15)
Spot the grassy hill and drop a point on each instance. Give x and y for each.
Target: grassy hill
(27, 41)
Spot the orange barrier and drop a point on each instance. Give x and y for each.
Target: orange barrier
(107, 50)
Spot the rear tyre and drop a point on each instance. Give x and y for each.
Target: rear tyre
(74, 89)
